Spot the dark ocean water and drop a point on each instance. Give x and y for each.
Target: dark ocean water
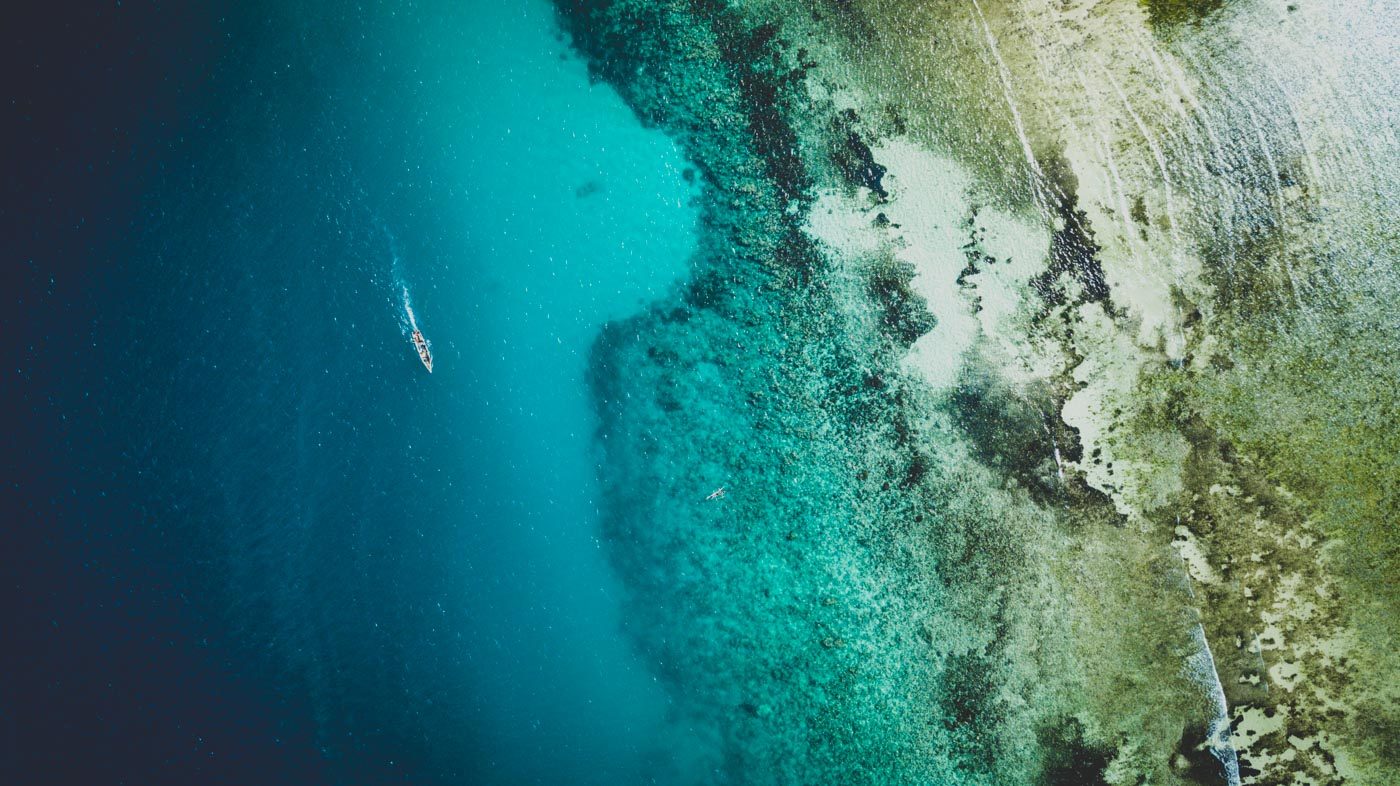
(252, 540)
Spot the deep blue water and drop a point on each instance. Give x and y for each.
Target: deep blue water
(252, 539)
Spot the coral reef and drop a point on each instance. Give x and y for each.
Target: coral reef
(1048, 363)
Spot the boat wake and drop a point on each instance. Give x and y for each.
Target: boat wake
(408, 321)
(408, 310)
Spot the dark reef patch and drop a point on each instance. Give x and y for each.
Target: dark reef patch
(851, 155)
(1069, 759)
(1195, 762)
(904, 313)
(1167, 14)
(972, 710)
(1073, 251)
(1009, 433)
(768, 90)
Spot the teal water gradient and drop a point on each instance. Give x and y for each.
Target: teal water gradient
(411, 560)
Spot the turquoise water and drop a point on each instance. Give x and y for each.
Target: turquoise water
(402, 571)
(963, 393)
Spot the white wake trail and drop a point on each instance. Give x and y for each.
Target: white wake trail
(408, 321)
(408, 309)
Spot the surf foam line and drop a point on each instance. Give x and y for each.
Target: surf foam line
(1200, 667)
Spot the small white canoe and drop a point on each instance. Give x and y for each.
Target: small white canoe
(421, 344)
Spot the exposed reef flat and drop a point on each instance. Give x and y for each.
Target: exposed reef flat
(1047, 352)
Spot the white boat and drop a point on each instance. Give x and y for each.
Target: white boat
(421, 344)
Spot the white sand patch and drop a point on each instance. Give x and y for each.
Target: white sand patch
(1285, 675)
(1197, 565)
(1255, 722)
(844, 225)
(1139, 474)
(1020, 248)
(928, 201)
(927, 204)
